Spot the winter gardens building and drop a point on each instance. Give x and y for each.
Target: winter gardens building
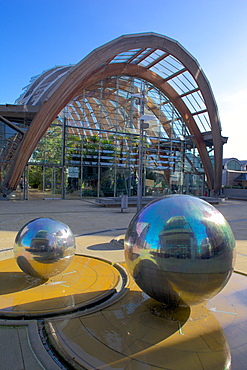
(137, 107)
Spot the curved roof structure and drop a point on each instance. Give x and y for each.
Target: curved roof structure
(232, 164)
(160, 61)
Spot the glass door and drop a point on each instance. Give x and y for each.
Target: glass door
(52, 182)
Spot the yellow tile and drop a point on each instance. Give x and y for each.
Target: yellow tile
(104, 283)
(166, 332)
(169, 359)
(217, 360)
(106, 332)
(49, 305)
(94, 354)
(29, 295)
(8, 303)
(53, 294)
(78, 285)
(69, 328)
(87, 297)
(138, 365)
(136, 347)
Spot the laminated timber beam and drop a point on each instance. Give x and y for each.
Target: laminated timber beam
(93, 68)
(136, 71)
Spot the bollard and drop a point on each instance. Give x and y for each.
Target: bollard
(124, 202)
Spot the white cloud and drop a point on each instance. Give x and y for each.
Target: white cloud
(232, 109)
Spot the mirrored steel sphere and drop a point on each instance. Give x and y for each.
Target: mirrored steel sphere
(180, 250)
(44, 247)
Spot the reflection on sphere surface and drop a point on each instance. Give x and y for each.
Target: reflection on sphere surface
(180, 250)
(44, 247)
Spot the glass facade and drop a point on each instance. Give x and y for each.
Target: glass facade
(93, 147)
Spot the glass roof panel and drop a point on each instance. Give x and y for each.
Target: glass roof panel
(167, 67)
(203, 122)
(171, 64)
(151, 57)
(114, 109)
(124, 57)
(141, 56)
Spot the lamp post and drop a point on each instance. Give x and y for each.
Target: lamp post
(140, 167)
(182, 138)
(143, 125)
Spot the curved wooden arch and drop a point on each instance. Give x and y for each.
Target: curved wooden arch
(93, 68)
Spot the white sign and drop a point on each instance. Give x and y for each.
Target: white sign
(73, 172)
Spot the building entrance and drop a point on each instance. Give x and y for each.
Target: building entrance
(43, 182)
(52, 182)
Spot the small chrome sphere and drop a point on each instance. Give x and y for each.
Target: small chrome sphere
(44, 247)
(180, 250)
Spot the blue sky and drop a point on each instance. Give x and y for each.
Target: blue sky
(36, 35)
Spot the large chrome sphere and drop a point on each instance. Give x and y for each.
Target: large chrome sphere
(180, 250)
(44, 247)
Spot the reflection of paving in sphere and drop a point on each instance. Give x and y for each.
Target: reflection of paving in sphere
(180, 249)
(44, 247)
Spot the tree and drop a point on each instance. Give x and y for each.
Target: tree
(48, 151)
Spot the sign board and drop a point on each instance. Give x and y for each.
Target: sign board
(73, 172)
(149, 182)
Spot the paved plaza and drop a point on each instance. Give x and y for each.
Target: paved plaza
(99, 233)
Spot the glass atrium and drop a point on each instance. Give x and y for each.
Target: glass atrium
(149, 124)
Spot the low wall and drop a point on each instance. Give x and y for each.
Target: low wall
(235, 193)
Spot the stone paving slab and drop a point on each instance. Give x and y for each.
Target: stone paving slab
(95, 229)
(16, 352)
(81, 216)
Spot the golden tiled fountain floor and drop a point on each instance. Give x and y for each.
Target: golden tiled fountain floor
(139, 333)
(86, 281)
